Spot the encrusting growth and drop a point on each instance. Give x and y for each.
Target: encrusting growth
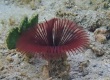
(51, 40)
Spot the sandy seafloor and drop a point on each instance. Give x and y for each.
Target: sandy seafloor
(15, 66)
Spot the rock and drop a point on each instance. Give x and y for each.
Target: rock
(108, 37)
(83, 65)
(1, 65)
(23, 74)
(95, 25)
(69, 4)
(45, 72)
(7, 2)
(9, 58)
(12, 21)
(100, 35)
(98, 52)
(33, 5)
(1, 55)
(49, 78)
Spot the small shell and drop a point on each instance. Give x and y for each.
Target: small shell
(100, 38)
(100, 31)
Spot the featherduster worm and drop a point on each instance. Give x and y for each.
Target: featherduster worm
(52, 39)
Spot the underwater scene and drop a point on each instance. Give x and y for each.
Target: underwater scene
(54, 39)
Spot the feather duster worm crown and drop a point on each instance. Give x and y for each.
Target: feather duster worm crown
(52, 39)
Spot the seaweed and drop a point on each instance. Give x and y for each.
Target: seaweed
(12, 38)
(15, 33)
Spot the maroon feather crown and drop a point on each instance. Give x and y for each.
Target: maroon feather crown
(53, 38)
